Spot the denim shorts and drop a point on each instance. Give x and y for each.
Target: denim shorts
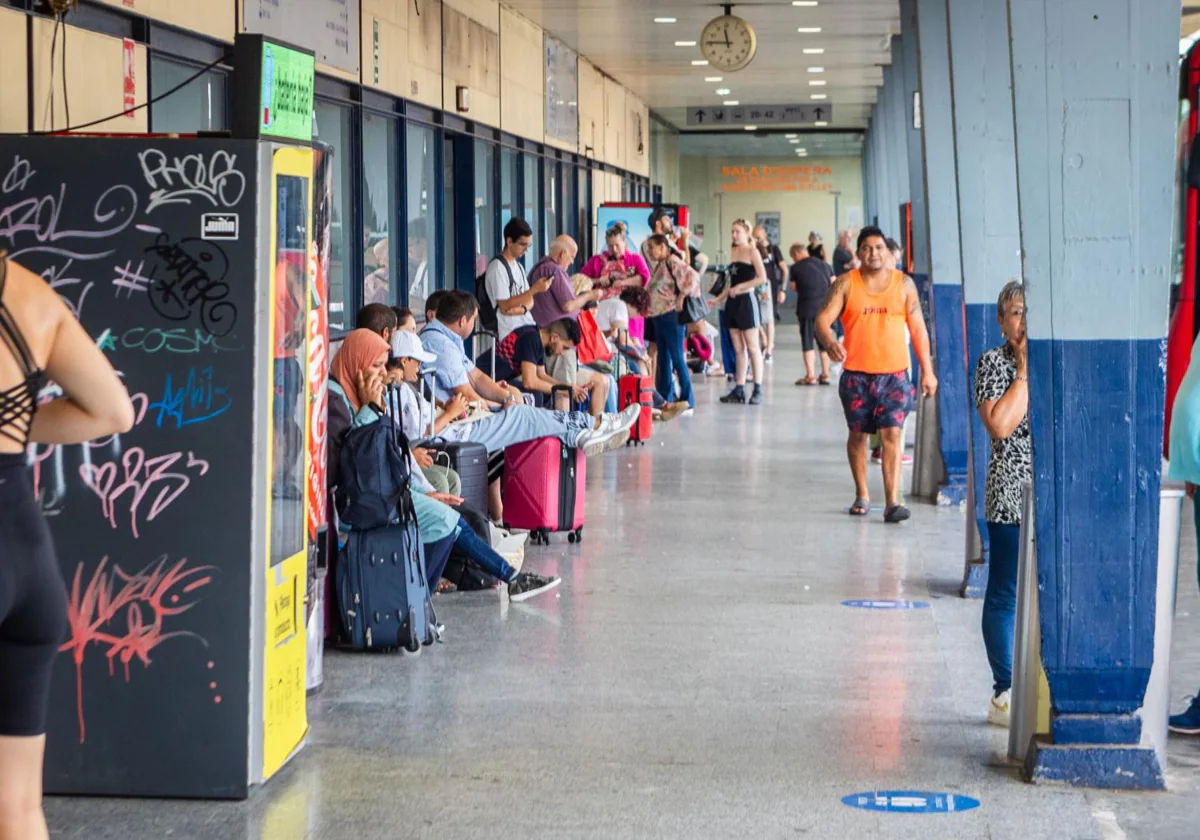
(874, 401)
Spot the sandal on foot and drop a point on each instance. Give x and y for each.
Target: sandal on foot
(445, 587)
(895, 514)
(860, 507)
(824, 380)
(806, 382)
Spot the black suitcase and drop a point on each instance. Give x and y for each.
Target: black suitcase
(470, 461)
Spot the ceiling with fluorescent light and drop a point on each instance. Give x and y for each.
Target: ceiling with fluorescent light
(621, 37)
(757, 144)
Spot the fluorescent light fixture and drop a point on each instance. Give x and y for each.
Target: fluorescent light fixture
(751, 128)
(685, 43)
(809, 30)
(804, 2)
(814, 51)
(723, 91)
(700, 62)
(664, 20)
(816, 69)
(794, 140)
(818, 83)
(821, 124)
(731, 102)
(790, 136)
(714, 78)
(818, 96)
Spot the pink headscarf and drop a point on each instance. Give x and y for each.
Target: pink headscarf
(357, 353)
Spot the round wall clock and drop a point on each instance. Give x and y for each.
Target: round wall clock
(728, 42)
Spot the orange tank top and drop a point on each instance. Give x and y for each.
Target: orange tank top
(874, 325)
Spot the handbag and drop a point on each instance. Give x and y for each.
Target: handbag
(718, 286)
(694, 309)
(592, 347)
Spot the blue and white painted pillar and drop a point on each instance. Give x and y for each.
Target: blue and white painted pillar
(945, 267)
(989, 232)
(1094, 100)
(916, 161)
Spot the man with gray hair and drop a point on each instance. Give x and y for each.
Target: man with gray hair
(843, 256)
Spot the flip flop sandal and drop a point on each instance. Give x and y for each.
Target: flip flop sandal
(860, 507)
(806, 382)
(824, 380)
(445, 587)
(896, 514)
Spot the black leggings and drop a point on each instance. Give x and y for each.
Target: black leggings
(33, 604)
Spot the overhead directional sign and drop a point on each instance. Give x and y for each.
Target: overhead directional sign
(910, 802)
(719, 116)
(886, 604)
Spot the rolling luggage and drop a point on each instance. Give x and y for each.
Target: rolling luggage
(634, 388)
(470, 461)
(383, 596)
(544, 488)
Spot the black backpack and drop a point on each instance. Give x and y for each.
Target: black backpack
(487, 306)
(373, 476)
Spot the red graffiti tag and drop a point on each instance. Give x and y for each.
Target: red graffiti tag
(125, 614)
(142, 476)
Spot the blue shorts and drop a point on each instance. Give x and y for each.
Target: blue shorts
(874, 401)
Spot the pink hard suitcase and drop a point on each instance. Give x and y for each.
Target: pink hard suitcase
(543, 489)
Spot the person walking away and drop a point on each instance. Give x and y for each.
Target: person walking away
(1184, 452)
(810, 280)
(746, 273)
(1002, 399)
(875, 303)
(843, 258)
(42, 341)
(506, 283)
(776, 270)
(670, 285)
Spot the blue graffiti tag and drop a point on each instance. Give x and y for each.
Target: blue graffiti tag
(197, 400)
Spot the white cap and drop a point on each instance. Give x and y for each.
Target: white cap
(406, 345)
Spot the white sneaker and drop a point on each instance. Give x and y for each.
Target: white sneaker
(691, 412)
(998, 712)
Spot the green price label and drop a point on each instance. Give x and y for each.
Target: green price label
(287, 93)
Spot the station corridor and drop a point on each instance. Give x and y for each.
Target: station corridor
(695, 677)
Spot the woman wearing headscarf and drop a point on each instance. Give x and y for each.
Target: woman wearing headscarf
(356, 387)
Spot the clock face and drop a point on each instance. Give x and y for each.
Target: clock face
(728, 43)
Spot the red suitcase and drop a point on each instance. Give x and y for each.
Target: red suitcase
(543, 489)
(631, 389)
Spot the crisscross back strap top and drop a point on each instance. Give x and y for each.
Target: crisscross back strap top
(18, 404)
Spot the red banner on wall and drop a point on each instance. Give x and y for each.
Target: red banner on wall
(318, 340)
(129, 82)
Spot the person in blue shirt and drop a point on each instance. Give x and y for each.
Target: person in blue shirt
(356, 386)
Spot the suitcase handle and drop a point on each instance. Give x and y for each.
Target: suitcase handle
(570, 392)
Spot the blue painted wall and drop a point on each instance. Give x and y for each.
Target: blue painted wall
(953, 394)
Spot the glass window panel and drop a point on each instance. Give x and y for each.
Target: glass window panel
(198, 106)
(531, 209)
(550, 221)
(449, 210)
(570, 217)
(333, 128)
(509, 182)
(584, 211)
(420, 206)
(379, 199)
(485, 205)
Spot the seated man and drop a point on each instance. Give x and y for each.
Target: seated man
(379, 318)
(521, 361)
(514, 422)
(431, 305)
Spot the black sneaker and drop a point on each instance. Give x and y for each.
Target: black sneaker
(737, 395)
(756, 397)
(525, 585)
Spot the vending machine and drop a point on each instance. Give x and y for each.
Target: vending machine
(184, 543)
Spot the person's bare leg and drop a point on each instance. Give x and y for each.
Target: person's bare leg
(824, 364)
(495, 505)
(856, 454)
(741, 352)
(599, 386)
(770, 336)
(21, 816)
(890, 441)
(810, 365)
(756, 357)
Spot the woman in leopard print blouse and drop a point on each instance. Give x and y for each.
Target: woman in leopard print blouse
(1002, 398)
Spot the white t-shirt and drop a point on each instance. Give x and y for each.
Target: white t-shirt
(500, 288)
(610, 311)
(417, 414)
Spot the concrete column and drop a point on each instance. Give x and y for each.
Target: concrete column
(981, 80)
(949, 479)
(1094, 100)
(887, 158)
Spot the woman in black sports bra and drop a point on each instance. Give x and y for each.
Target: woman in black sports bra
(40, 340)
(742, 315)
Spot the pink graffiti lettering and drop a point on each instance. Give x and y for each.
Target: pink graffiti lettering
(125, 615)
(144, 478)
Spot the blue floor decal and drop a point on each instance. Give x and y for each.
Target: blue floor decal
(886, 604)
(910, 802)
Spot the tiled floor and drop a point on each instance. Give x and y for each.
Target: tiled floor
(694, 677)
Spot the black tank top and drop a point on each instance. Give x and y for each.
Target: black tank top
(740, 272)
(18, 404)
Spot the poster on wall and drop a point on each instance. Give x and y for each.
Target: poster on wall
(327, 27)
(562, 92)
(770, 221)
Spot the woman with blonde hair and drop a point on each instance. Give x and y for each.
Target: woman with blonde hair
(742, 315)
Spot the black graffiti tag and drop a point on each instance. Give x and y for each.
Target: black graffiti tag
(190, 279)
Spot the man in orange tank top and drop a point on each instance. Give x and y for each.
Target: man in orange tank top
(875, 303)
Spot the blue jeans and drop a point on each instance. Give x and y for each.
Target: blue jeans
(1000, 601)
(472, 545)
(520, 423)
(437, 553)
(728, 354)
(668, 335)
